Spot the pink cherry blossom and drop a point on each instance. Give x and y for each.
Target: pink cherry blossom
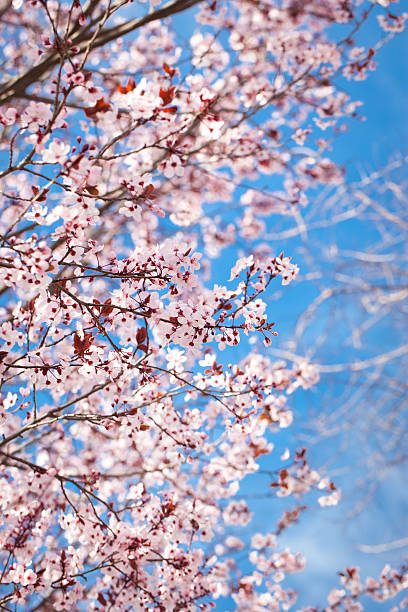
(56, 152)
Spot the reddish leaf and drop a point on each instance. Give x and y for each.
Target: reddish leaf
(258, 450)
(133, 410)
(170, 109)
(141, 335)
(82, 345)
(273, 134)
(100, 107)
(148, 190)
(170, 71)
(36, 191)
(167, 95)
(92, 190)
(130, 85)
(106, 309)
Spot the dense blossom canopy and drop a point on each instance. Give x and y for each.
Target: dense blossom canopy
(131, 159)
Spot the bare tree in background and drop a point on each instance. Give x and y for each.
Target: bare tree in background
(354, 328)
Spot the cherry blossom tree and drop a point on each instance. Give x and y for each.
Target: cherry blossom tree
(138, 390)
